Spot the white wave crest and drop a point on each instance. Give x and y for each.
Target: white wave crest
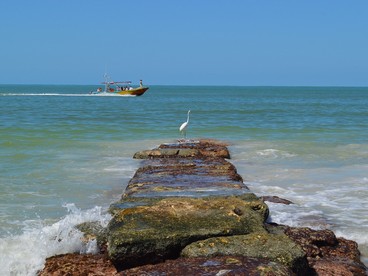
(274, 153)
(25, 254)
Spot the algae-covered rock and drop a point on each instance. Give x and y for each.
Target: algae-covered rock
(278, 248)
(150, 233)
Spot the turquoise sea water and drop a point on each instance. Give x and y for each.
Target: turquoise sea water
(66, 155)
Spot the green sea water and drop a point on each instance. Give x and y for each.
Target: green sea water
(65, 155)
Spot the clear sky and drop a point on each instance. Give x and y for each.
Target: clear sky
(187, 42)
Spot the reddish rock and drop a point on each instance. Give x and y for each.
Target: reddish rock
(333, 268)
(326, 254)
(77, 264)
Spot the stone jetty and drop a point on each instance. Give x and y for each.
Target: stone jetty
(187, 211)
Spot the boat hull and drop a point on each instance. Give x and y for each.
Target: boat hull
(139, 91)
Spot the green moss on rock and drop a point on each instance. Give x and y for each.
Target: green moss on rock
(149, 233)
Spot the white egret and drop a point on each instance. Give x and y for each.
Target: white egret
(183, 127)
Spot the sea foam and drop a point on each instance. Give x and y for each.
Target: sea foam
(25, 254)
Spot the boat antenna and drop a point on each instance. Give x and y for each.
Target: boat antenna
(106, 75)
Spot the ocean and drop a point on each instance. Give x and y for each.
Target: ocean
(66, 155)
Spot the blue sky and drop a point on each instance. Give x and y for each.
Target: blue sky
(201, 42)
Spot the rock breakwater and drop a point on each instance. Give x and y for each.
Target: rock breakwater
(186, 211)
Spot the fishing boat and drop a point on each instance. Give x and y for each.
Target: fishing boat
(120, 88)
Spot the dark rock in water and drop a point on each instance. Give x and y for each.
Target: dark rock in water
(219, 265)
(76, 264)
(276, 199)
(151, 233)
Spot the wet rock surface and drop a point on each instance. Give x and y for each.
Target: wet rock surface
(224, 265)
(186, 169)
(187, 211)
